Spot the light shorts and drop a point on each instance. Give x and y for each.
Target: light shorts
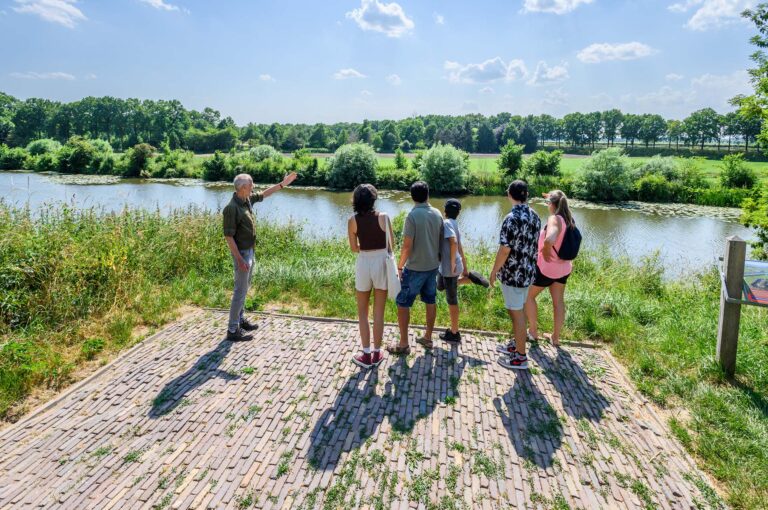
(371, 270)
(514, 297)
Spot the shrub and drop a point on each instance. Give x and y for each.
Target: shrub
(215, 168)
(445, 169)
(654, 188)
(43, 146)
(101, 145)
(77, 156)
(401, 162)
(511, 159)
(137, 160)
(262, 152)
(174, 163)
(309, 172)
(13, 159)
(756, 215)
(736, 174)
(352, 164)
(47, 162)
(606, 177)
(691, 175)
(91, 348)
(664, 166)
(543, 163)
(391, 177)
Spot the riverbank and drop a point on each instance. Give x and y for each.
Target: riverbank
(77, 287)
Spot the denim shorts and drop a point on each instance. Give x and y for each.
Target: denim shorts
(417, 283)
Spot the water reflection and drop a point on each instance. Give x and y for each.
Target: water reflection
(683, 240)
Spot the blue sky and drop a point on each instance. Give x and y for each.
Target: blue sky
(334, 60)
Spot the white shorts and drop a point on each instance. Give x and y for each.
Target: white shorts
(371, 270)
(514, 297)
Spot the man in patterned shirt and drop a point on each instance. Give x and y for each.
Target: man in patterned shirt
(516, 265)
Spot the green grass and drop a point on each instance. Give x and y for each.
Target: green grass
(69, 277)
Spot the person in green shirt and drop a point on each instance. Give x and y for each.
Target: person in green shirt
(240, 234)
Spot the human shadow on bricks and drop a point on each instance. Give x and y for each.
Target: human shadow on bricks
(204, 369)
(532, 424)
(412, 392)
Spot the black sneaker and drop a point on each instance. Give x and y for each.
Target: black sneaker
(478, 279)
(248, 325)
(238, 336)
(450, 336)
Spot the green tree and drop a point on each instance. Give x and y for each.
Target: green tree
(486, 141)
(736, 174)
(445, 169)
(401, 162)
(389, 138)
(652, 128)
(319, 137)
(575, 129)
(606, 177)
(612, 120)
(674, 132)
(528, 138)
(511, 159)
(137, 160)
(352, 164)
(543, 163)
(702, 126)
(593, 125)
(630, 128)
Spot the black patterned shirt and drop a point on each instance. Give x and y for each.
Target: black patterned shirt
(520, 233)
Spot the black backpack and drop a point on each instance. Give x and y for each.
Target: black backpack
(569, 250)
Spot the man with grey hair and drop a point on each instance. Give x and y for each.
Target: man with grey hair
(239, 231)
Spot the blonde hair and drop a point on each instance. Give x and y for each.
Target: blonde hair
(560, 201)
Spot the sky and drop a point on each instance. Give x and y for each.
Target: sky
(345, 60)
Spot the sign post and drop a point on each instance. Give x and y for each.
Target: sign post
(730, 312)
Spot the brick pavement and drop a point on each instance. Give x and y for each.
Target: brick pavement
(187, 420)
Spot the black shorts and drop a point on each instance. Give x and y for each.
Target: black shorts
(450, 284)
(545, 281)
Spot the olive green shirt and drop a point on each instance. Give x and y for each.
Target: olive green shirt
(238, 220)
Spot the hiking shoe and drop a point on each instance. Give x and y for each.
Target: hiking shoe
(427, 344)
(478, 279)
(248, 325)
(377, 358)
(363, 360)
(515, 362)
(509, 348)
(450, 336)
(238, 336)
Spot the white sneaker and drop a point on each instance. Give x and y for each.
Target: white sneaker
(515, 362)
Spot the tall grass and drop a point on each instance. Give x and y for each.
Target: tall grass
(74, 285)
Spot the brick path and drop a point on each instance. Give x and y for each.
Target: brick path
(186, 420)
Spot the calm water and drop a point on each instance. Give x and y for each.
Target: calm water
(686, 237)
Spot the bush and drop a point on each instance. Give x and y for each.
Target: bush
(13, 159)
(215, 168)
(262, 152)
(137, 160)
(654, 188)
(445, 169)
(77, 156)
(606, 177)
(756, 216)
(48, 162)
(691, 175)
(309, 172)
(101, 145)
(401, 162)
(391, 177)
(667, 167)
(43, 146)
(174, 163)
(543, 163)
(352, 164)
(736, 174)
(511, 159)
(91, 347)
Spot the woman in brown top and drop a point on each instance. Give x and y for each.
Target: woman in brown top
(368, 230)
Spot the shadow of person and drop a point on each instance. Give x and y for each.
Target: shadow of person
(204, 369)
(532, 424)
(412, 392)
(581, 399)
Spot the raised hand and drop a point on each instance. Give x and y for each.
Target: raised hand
(289, 179)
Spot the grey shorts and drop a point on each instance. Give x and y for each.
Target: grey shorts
(514, 297)
(450, 284)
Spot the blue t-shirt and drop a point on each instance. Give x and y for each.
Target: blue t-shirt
(451, 230)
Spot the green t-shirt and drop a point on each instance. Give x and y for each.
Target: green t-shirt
(238, 220)
(424, 224)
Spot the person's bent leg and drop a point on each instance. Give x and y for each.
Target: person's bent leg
(557, 290)
(532, 310)
(363, 299)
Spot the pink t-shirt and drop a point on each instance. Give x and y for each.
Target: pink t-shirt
(557, 268)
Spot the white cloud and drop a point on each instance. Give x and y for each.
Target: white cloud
(345, 74)
(63, 12)
(470, 106)
(712, 14)
(389, 19)
(553, 6)
(439, 19)
(394, 79)
(487, 91)
(555, 97)
(492, 70)
(266, 77)
(604, 52)
(545, 75)
(43, 76)
(674, 77)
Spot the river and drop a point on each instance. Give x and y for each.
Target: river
(686, 237)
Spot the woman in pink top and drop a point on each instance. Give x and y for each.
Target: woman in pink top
(551, 270)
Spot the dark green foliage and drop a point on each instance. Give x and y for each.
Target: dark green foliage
(215, 168)
(91, 347)
(606, 177)
(389, 177)
(511, 159)
(528, 138)
(544, 163)
(12, 159)
(735, 174)
(43, 146)
(756, 216)
(137, 160)
(445, 169)
(401, 162)
(351, 165)
(654, 188)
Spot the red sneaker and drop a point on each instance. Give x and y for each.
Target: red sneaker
(363, 360)
(377, 358)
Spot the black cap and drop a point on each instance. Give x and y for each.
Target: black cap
(452, 207)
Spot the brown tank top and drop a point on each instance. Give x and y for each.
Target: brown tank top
(369, 233)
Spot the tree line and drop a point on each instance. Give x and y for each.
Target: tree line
(127, 122)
